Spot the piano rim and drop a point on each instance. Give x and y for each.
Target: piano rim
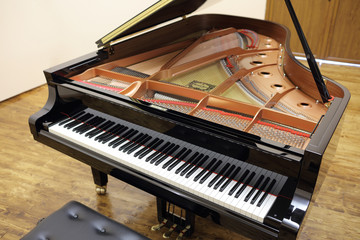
(318, 142)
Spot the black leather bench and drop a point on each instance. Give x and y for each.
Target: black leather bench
(77, 221)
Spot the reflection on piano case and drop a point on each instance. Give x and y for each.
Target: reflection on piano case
(211, 113)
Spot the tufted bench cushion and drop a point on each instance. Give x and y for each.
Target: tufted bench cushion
(76, 221)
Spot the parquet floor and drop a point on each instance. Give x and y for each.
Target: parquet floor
(36, 180)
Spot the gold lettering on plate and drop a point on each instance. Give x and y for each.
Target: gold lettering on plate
(200, 86)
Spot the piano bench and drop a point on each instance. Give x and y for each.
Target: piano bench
(77, 221)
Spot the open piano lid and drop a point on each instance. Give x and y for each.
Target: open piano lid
(165, 10)
(161, 11)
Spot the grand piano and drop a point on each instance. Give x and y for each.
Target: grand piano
(211, 113)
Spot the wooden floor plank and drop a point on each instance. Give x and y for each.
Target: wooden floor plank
(37, 180)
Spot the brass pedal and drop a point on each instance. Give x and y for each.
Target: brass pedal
(157, 227)
(182, 233)
(171, 230)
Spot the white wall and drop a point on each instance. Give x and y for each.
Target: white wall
(39, 34)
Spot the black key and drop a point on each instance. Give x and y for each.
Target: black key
(119, 137)
(213, 168)
(89, 124)
(78, 121)
(134, 142)
(191, 164)
(149, 146)
(104, 127)
(186, 162)
(266, 193)
(123, 138)
(94, 123)
(140, 143)
(110, 135)
(205, 169)
(217, 185)
(126, 137)
(182, 155)
(163, 147)
(237, 170)
(243, 176)
(163, 153)
(182, 158)
(245, 184)
(251, 192)
(124, 132)
(83, 125)
(109, 132)
(167, 155)
(260, 190)
(158, 143)
(174, 158)
(213, 181)
(71, 117)
(101, 129)
(196, 167)
(131, 141)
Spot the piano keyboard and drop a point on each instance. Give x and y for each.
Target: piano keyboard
(235, 185)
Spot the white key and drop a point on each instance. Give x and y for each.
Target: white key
(267, 205)
(176, 180)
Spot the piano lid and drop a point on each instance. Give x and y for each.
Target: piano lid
(161, 11)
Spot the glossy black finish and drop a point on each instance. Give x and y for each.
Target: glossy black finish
(300, 166)
(278, 211)
(100, 178)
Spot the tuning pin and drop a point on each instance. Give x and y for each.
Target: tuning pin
(157, 227)
(171, 230)
(182, 233)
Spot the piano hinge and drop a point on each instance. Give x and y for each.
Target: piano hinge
(110, 49)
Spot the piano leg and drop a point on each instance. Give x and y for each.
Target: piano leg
(100, 180)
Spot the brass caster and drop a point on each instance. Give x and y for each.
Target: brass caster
(100, 190)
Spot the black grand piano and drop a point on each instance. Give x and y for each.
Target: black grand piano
(211, 113)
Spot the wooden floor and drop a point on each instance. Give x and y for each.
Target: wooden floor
(37, 180)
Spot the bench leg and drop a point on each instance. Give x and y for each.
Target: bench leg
(100, 180)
